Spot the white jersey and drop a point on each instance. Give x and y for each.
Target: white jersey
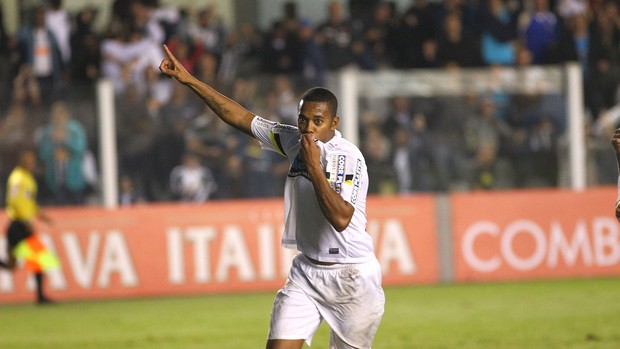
(305, 226)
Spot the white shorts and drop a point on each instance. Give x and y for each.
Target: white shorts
(348, 297)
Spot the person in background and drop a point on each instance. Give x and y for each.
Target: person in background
(191, 181)
(41, 56)
(22, 209)
(128, 194)
(58, 21)
(62, 147)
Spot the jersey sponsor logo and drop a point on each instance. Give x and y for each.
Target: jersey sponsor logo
(356, 181)
(275, 126)
(342, 160)
(260, 122)
(333, 168)
(334, 250)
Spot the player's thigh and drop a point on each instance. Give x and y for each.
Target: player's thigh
(294, 316)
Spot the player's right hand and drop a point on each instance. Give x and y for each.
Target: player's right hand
(173, 68)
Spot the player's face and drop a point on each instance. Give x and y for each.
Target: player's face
(316, 118)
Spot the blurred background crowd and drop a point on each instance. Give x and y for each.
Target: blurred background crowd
(171, 147)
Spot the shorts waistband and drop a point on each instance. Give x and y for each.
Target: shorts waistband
(314, 261)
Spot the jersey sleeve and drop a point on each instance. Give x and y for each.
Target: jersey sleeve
(275, 136)
(346, 174)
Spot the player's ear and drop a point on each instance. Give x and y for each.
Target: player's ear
(335, 122)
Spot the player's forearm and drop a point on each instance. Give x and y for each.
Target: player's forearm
(225, 108)
(337, 211)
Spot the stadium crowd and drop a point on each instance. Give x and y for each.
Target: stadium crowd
(171, 147)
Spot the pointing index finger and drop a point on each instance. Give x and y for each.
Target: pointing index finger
(168, 53)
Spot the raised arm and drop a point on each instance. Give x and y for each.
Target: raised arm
(225, 108)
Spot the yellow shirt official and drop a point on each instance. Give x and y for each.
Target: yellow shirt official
(21, 195)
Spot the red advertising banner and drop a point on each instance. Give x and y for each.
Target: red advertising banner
(231, 246)
(535, 234)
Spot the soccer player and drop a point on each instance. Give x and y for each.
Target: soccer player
(22, 208)
(615, 142)
(336, 276)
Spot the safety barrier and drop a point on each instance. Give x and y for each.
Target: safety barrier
(233, 246)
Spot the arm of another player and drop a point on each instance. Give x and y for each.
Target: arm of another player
(615, 142)
(337, 211)
(225, 108)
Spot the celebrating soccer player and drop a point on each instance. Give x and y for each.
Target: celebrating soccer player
(336, 276)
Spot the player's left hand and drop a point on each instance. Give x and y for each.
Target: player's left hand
(171, 67)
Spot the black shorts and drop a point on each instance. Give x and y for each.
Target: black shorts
(17, 231)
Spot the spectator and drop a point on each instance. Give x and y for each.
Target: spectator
(136, 137)
(157, 22)
(126, 55)
(423, 152)
(486, 138)
(337, 36)
(191, 181)
(281, 51)
(169, 146)
(243, 52)
(62, 147)
(209, 32)
(413, 30)
(399, 116)
(207, 137)
(380, 35)
(128, 195)
(540, 31)
(181, 108)
(187, 56)
(487, 128)
(85, 67)
(377, 149)
(455, 48)
(499, 32)
(604, 57)
(489, 172)
(207, 69)
(543, 149)
(285, 94)
(574, 42)
(40, 56)
(402, 155)
(58, 21)
(314, 64)
(290, 18)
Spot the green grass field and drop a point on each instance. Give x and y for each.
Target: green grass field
(567, 314)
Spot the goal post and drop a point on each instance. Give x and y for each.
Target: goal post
(354, 85)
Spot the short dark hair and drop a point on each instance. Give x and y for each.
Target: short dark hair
(320, 94)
